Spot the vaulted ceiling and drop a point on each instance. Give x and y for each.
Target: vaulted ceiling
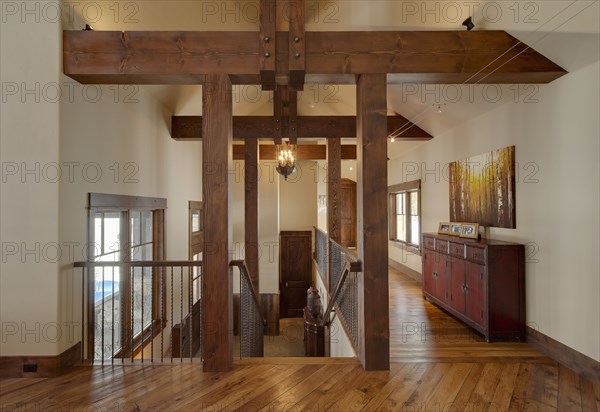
(566, 32)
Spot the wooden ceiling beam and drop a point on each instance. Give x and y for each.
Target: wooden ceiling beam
(303, 152)
(262, 127)
(168, 57)
(267, 44)
(296, 45)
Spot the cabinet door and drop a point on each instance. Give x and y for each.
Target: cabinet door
(475, 289)
(428, 268)
(441, 277)
(457, 284)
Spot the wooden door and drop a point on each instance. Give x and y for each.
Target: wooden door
(457, 284)
(348, 212)
(294, 271)
(475, 292)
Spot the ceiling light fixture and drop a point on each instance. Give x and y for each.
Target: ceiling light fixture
(468, 23)
(286, 159)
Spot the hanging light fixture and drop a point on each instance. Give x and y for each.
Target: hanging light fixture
(286, 159)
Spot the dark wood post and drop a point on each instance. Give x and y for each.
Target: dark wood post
(251, 209)
(334, 176)
(217, 153)
(371, 108)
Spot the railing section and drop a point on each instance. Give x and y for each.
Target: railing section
(141, 311)
(252, 324)
(321, 240)
(344, 268)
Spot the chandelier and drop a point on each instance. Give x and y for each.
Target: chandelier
(286, 159)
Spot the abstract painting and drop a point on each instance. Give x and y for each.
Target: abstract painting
(482, 189)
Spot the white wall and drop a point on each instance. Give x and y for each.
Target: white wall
(29, 204)
(557, 206)
(298, 198)
(108, 139)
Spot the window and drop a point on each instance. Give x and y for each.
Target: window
(405, 213)
(124, 302)
(196, 243)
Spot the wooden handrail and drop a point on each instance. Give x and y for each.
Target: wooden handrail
(355, 265)
(140, 263)
(345, 271)
(241, 264)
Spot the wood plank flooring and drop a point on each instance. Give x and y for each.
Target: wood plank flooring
(437, 365)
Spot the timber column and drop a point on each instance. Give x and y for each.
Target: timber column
(334, 176)
(372, 205)
(217, 155)
(251, 254)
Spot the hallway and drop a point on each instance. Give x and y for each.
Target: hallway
(437, 365)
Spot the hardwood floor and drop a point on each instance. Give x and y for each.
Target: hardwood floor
(437, 365)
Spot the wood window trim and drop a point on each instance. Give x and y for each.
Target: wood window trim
(195, 239)
(405, 187)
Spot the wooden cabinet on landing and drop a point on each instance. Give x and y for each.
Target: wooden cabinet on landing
(481, 282)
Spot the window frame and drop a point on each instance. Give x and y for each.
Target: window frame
(100, 202)
(393, 191)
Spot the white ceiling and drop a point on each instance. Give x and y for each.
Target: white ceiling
(566, 31)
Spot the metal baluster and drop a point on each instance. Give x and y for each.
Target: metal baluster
(162, 311)
(84, 275)
(180, 314)
(190, 299)
(102, 328)
(152, 306)
(132, 275)
(172, 316)
(112, 312)
(142, 269)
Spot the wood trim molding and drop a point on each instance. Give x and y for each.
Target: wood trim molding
(406, 270)
(400, 187)
(563, 354)
(47, 366)
(109, 201)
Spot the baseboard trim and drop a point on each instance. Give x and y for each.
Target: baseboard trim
(569, 357)
(47, 366)
(406, 270)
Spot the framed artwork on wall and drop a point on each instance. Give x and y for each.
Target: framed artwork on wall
(482, 189)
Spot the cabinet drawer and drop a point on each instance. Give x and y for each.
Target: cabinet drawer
(457, 249)
(476, 254)
(441, 246)
(428, 242)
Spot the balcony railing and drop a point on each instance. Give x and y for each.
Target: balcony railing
(141, 311)
(252, 324)
(339, 269)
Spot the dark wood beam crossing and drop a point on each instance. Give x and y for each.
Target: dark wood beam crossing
(216, 282)
(334, 177)
(303, 152)
(372, 207)
(262, 127)
(179, 57)
(251, 255)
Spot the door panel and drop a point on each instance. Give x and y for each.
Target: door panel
(294, 271)
(441, 278)
(457, 283)
(474, 296)
(429, 267)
